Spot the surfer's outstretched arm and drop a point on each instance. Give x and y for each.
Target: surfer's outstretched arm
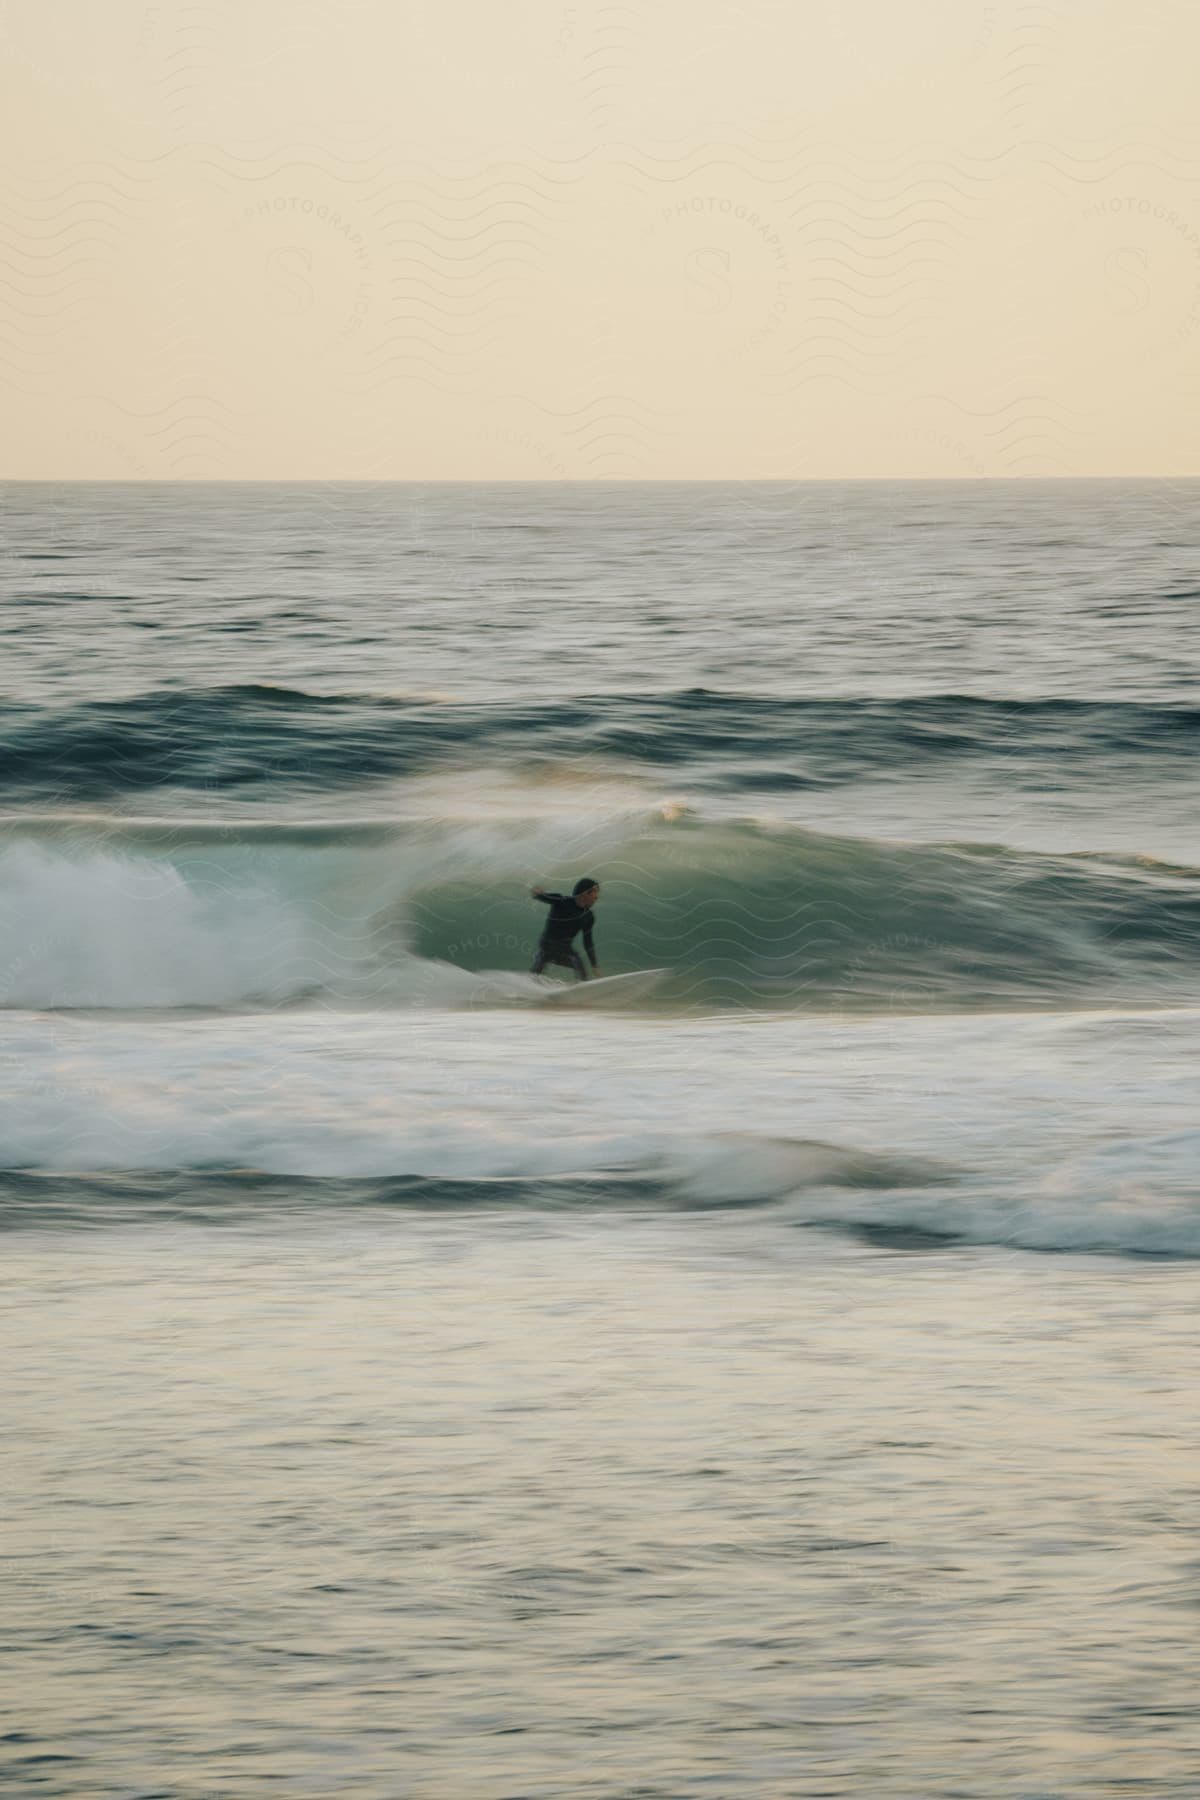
(541, 894)
(590, 947)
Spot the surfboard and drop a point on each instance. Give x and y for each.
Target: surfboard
(599, 988)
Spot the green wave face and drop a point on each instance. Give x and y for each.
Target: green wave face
(746, 916)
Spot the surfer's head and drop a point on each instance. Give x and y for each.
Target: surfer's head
(586, 890)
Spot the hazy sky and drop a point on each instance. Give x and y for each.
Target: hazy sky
(528, 238)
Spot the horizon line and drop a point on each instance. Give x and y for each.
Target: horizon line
(552, 480)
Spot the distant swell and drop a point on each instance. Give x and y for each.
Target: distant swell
(250, 738)
(437, 912)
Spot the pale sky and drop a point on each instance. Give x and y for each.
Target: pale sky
(458, 239)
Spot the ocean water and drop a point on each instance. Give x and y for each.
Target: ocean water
(779, 1383)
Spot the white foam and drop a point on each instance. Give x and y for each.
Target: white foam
(129, 917)
(1040, 1138)
(112, 930)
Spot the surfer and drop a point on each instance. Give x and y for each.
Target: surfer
(569, 913)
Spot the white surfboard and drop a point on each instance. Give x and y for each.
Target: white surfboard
(599, 988)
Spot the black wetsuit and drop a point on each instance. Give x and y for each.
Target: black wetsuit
(566, 918)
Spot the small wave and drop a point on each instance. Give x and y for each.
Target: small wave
(252, 738)
(745, 1168)
(233, 1167)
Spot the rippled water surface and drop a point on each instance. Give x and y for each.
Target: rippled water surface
(776, 1383)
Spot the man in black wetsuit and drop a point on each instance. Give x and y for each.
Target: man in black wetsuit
(569, 913)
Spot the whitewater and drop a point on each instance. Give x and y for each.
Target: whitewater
(857, 1127)
(775, 1383)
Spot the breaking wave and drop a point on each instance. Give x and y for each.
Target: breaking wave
(117, 914)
